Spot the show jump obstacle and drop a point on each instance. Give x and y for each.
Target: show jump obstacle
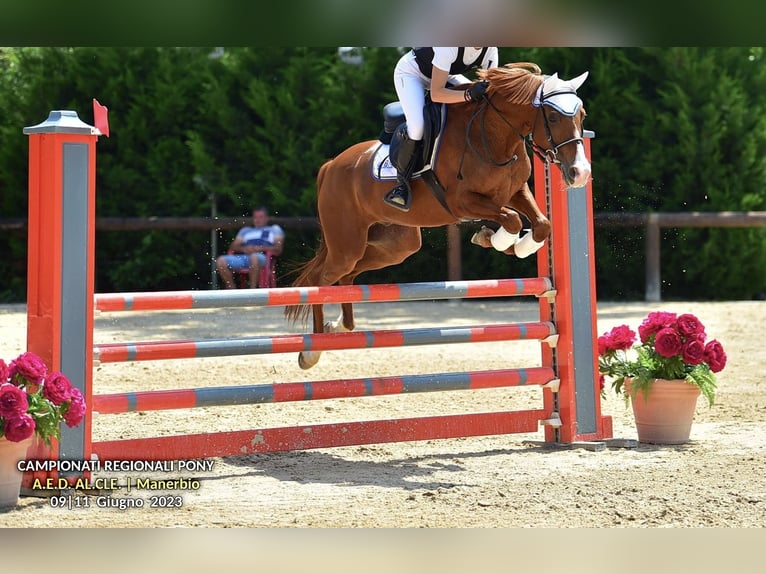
(61, 303)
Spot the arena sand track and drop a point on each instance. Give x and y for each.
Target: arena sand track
(716, 480)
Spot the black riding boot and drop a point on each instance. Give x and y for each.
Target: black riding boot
(401, 196)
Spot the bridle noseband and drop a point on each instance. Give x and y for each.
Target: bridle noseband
(550, 155)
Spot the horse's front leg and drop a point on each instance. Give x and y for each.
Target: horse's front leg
(506, 235)
(524, 202)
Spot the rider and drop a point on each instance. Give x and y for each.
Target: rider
(434, 69)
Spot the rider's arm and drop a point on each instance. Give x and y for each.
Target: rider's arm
(439, 90)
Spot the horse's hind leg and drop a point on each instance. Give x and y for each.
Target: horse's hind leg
(344, 248)
(344, 323)
(386, 245)
(307, 359)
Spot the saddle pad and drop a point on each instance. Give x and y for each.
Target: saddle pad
(382, 169)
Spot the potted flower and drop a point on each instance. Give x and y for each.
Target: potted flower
(33, 403)
(662, 373)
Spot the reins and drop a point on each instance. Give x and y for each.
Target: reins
(486, 157)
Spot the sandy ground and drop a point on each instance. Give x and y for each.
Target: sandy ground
(716, 480)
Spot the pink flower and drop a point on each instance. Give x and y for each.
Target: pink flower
(688, 325)
(618, 339)
(602, 347)
(19, 428)
(667, 342)
(35, 402)
(31, 367)
(76, 409)
(693, 352)
(621, 338)
(698, 337)
(715, 356)
(57, 388)
(654, 322)
(13, 401)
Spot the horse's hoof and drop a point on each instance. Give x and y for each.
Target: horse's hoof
(482, 237)
(307, 360)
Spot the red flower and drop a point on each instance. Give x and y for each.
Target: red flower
(76, 409)
(688, 325)
(693, 352)
(57, 388)
(621, 338)
(715, 356)
(19, 428)
(29, 366)
(667, 342)
(36, 402)
(13, 401)
(654, 322)
(618, 339)
(602, 345)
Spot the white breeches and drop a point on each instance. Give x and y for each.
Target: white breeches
(411, 91)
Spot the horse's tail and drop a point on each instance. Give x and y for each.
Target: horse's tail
(308, 275)
(309, 272)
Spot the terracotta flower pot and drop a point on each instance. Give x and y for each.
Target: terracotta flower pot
(10, 478)
(666, 413)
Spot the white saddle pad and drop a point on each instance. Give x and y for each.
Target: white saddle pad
(382, 170)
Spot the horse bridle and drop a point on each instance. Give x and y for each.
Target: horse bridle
(548, 155)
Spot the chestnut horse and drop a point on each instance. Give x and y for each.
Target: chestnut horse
(483, 167)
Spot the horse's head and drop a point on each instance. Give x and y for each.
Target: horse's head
(560, 126)
(557, 126)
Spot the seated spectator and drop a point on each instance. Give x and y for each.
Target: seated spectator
(248, 249)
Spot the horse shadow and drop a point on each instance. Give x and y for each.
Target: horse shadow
(321, 467)
(416, 473)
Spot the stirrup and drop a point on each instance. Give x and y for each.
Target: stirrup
(391, 197)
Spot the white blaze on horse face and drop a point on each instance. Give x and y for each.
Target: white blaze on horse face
(580, 166)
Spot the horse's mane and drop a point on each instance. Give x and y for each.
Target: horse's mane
(517, 83)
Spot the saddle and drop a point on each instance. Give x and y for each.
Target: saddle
(435, 118)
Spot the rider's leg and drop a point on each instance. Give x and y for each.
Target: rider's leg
(401, 195)
(411, 92)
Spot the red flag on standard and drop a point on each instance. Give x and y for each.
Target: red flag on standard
(101, 117)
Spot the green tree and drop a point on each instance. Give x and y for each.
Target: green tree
(677, 129)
